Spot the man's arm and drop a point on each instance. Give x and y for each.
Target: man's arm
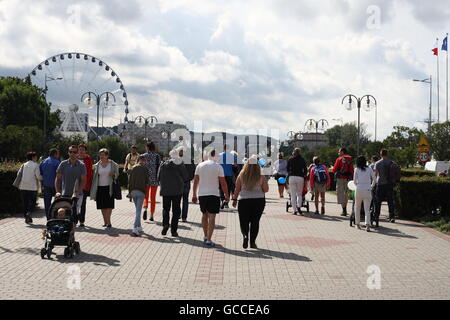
(194, 189)
(82, 184)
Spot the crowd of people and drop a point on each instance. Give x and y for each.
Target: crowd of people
(218, 180)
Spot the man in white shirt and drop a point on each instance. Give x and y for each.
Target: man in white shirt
(208, 175)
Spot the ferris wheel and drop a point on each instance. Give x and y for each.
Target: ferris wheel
(67, 76)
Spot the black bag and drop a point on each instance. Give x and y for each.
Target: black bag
(117, 191)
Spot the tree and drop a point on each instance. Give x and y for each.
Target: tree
(440, 141)
(24, 104)
(347, 136)
(117, 149)
(403, 137)
(16, 141)
(63, 143)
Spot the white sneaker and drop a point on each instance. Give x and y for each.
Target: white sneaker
(139, 229)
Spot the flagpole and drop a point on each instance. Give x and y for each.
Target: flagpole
(437, 57)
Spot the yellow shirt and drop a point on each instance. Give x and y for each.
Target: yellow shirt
(132, 160)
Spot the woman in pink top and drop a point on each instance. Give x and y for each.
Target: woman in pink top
(319, 180)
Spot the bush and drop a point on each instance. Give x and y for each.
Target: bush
(417, 172)
(12, 203)
(419, 197)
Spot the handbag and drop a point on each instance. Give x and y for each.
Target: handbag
(117, 191)
(18, 179)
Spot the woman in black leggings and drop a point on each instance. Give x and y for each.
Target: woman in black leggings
(250, 188)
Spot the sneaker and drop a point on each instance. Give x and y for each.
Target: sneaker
(245, 243)
(164, 230)
(175, 234)
(317, 212)
(205, 240)
(139, 229)
(134, 233)
(109, 226)
(210, 244)
(81, 225)
(343, 214)
(253, 245)
(184, 220)
(151, 218)
(144, 216)
(392, 220)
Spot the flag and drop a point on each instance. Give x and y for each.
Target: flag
(435, 48)
(444, 44)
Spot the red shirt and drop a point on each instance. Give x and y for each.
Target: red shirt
(87, 160)
(338, 166)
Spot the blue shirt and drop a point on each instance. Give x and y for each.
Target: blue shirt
(226, 161)
(48, 171)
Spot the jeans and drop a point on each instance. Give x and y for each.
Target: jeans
(230, 186)
(175, 203)
(296, 190)
(138, 198)
(29, 200)
(81, 206)
(186, 190)
(384, 192)
(49, 193)
(360, 197)
(250, 211)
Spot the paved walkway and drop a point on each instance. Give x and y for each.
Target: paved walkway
(311, 257)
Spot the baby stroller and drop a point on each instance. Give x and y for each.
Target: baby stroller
(305, 203)
(61, 232)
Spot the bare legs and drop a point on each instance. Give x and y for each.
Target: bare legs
(208, 224)
(107, 215)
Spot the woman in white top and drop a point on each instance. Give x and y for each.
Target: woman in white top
(251, 187)
(29, 184)
(363, 179)
(105, 171)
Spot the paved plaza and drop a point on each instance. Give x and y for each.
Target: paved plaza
(309, 257)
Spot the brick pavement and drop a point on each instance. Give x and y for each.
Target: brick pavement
(310, 257)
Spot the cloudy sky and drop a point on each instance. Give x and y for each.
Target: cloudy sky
(243, 64)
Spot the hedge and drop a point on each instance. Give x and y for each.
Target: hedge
(10, 199)
(418, 197)
(417, 172)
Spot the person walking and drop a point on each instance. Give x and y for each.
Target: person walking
(319, 181)
(385, 188)
(227, 161)
(280, 171)
(190, 169)
(343, 171)
(47, 170)
(208, 176)
(70, 176)
(297, 171)
(137, 186)
(152, 161)
(29, 184)
(171, 175)
(131, 159)
(363, 178)
(250, 191)
(105, 172)
(87, 161)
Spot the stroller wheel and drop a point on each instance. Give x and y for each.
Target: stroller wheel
(66, 252)
(71, 252)
(49, 253)
(43, 252)
(287, 206)
(307, 206)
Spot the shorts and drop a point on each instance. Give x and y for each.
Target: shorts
(342, 191)
(320, 187)
(210, 204)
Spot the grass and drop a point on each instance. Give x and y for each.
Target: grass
(439, 223)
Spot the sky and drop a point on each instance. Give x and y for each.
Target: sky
(244, 65)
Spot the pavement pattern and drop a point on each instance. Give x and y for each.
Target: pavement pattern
(299, 257)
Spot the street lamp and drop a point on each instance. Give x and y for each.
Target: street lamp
(429, 81)
(165, 134)
(89, 101)
(143, 121)
(47, 79)
(367, 106)
(312, 124)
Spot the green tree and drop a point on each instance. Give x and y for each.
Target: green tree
(16, 141)
(440, 141)
(63, 143)
(117, 149)
(347, 136)
(403, 137)
(24, 104)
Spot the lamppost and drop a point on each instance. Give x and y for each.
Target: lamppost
(312, 124)
(144, 121)
(165, 134)
(89, 101)
(295, 136)
(429, 81)
(47, 79)
(367, 107)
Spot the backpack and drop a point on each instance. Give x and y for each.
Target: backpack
(394, 173)
(346, 169)
(320, 175)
